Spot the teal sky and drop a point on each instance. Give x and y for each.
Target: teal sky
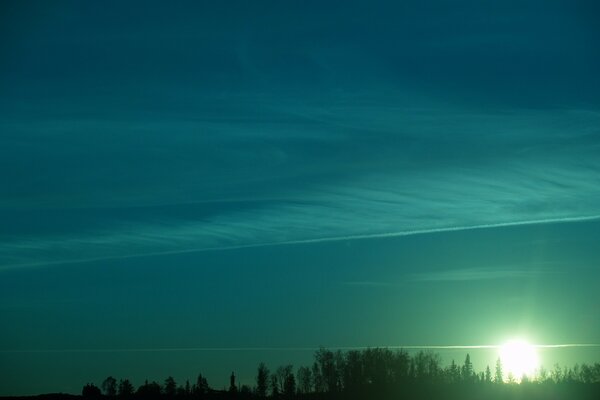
(200, 187)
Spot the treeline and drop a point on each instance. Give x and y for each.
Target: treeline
(376, 373)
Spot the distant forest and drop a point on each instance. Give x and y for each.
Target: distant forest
(375, 373)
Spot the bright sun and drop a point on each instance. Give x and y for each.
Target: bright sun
(518, 358)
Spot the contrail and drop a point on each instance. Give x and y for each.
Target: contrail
(314, 241)
(305, 348)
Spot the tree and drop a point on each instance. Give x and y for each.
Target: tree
(488, 375)
(289, 386)
(304, 380)
(317, 378)
(125, 389)
(586, 374)
(467, 369)
(150, 390)
(110, 387)
(480, 377)
(454, 372)
(557, 374)
(327, 365)
(170, 388)
(498, 376)
(401, 366)
(283, 373)
(274, 386)
(353, 374)
(201, 387)
(245, 392)
(262, 380)
(510, 378)
(91, 391)
(232, 385)
(420, 365)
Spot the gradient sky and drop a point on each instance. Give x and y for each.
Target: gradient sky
(245, 181)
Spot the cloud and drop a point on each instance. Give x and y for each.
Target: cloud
(476, 274)
(107, 248)
(287, 349)
(369, 283)
(353, 175)
(459, 275)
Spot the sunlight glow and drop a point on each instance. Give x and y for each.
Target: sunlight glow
(518, 358)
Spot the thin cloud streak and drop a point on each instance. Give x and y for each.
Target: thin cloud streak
(301, 348)
(369, 283)
(474, 274)
(315, 241)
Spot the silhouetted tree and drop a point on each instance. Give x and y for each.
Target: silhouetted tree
(586, 374)
(467, 369)
(420, 366)
(150, 390)
(274, 386)
(432, 369)
(245, 392)
(232, 386)
(327, 363)
(375, 373)
(488, 375)
(125, 389)
(595, 373)
(498, 376)
(453, 372)
(201, 387)
(510, 378)
(262, 380)
(109, 385)
(170, 387)
(353, 374)
(557, 374)
(91, 391)
(181, 393)
(401, 363)
(283, 373)
(304, 380)
(318, 384)
(289, 386)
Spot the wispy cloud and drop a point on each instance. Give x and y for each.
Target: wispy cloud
(104, 246)
(292, 348)
(476, 274)
(460, 275)
(445, 171)
(370, 283)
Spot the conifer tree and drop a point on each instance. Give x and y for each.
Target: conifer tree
(498, 377)
(467, 369)
(262, 380)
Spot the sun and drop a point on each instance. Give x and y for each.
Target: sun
(518, 358)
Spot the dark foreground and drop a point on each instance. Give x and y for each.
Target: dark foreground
(528, 391)
(378, 374)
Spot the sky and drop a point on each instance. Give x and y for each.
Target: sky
(201, 186)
